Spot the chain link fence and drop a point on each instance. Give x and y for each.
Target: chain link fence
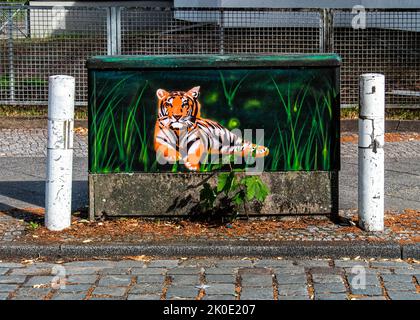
(36, 42)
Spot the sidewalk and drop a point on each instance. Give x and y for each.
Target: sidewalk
(22, 174)
(147, 278)
(22, 171)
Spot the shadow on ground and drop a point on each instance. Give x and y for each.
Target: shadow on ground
(24, 194)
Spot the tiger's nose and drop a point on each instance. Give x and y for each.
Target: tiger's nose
(177, 117)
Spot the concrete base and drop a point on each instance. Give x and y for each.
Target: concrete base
(176, 194)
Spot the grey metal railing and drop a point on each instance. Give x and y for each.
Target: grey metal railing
(36, 42)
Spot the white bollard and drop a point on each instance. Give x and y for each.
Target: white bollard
(59, 152)
(371, 152)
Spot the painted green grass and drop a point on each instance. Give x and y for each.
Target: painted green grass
(114, 137)
(294, 151)
(299, 139)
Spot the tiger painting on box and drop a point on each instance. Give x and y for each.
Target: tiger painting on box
(182, 134)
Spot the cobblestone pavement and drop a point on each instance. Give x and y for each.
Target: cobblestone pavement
(22, 171)
(210, 279)
(33, 143)
(22, 182)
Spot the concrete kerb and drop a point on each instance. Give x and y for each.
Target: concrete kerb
(285, 249)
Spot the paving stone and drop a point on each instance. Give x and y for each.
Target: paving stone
(333, 296)
(290, 279)
(31, 293)
(256, 294)
(129, 264)
(397, 278)
(68, 296)
(274, 263)
(290, 270)
(220, 289)
(369, 298)
(11, 265)
(12, 279)
(250, 280)
(367, 291)
(82, 279)
(332, 287)
(82, 271)
(115, 281)
(369, 279)
(145, 289)
(198, 262)
(8, 287)
(151, 279)
(148, 271)
(184, 271)
(403, 295)
(219, 297)
(181, 291)
(400, 286)
(292, 290)
(234, 263)
(110, 291)
(74, 288)
(294, 298)
(185, 279)
(350, 263)
(408, 271)
(351, 271)
(163, 263)
(98, 264)
(216, 270)
(116, 271)
(220, 278)
(389, 264)
(313, 263)
(39, 280)
(3, 270)
(106, 298)
(322, 278)
(143, 297)
(4, 295)
(33, 271)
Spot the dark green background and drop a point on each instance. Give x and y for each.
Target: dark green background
(301, 130)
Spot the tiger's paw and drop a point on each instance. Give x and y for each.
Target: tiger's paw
(192, 166)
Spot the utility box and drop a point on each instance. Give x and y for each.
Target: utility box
(162, 126)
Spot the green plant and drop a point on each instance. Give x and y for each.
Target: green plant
(33, 225)
(224, 201)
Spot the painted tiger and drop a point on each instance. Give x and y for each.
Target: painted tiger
(181, 133)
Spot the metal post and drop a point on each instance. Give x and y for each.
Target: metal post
(222, 31)
(326, 38)
(371, 152)
(10, 56)
(59, 152)
(114, 30)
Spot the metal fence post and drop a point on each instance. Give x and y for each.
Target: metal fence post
(114, 30)
(10, 57)
(371, 152)
(327, 26)
(222, 31)
(59, 152)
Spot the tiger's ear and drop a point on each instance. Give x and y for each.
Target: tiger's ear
(161, 93)
(194, 92)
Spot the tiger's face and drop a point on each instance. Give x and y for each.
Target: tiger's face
(178, 109)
